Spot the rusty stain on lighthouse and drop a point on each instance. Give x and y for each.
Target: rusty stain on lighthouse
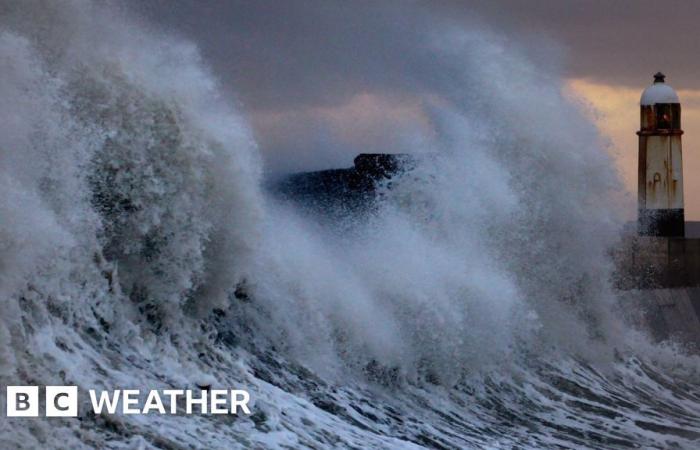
(660, 185)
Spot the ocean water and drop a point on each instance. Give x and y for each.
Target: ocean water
(470, 308)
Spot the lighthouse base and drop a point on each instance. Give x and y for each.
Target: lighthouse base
(661, 222)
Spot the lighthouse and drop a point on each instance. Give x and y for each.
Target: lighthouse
(660, 182)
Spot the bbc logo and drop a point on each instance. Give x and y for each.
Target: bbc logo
(61, 401)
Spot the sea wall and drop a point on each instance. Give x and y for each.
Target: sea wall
(668, 314)
(659, 280)
(658, 262)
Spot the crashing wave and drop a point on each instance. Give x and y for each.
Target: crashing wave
(471, 308)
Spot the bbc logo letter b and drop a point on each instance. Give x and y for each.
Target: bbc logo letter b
(22, 401)
(61, 401)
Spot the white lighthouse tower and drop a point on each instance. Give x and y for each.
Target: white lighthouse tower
(660, 188)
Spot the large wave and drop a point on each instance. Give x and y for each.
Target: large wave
(138, 248)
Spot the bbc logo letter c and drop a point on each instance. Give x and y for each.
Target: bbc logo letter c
(61, 401)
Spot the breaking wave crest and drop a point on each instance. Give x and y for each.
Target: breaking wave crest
(139, 249)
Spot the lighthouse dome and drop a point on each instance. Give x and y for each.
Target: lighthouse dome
(659, 92)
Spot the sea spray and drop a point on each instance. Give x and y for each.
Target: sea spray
(497, 239)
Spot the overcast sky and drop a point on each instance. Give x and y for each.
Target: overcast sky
(322, 80)
(296, 51)
(610, 41)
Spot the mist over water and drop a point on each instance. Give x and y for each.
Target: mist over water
(476, 290)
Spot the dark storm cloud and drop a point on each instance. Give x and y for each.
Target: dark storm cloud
(614, 42)
(286, 59)
(291, 62)
(293, 53)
